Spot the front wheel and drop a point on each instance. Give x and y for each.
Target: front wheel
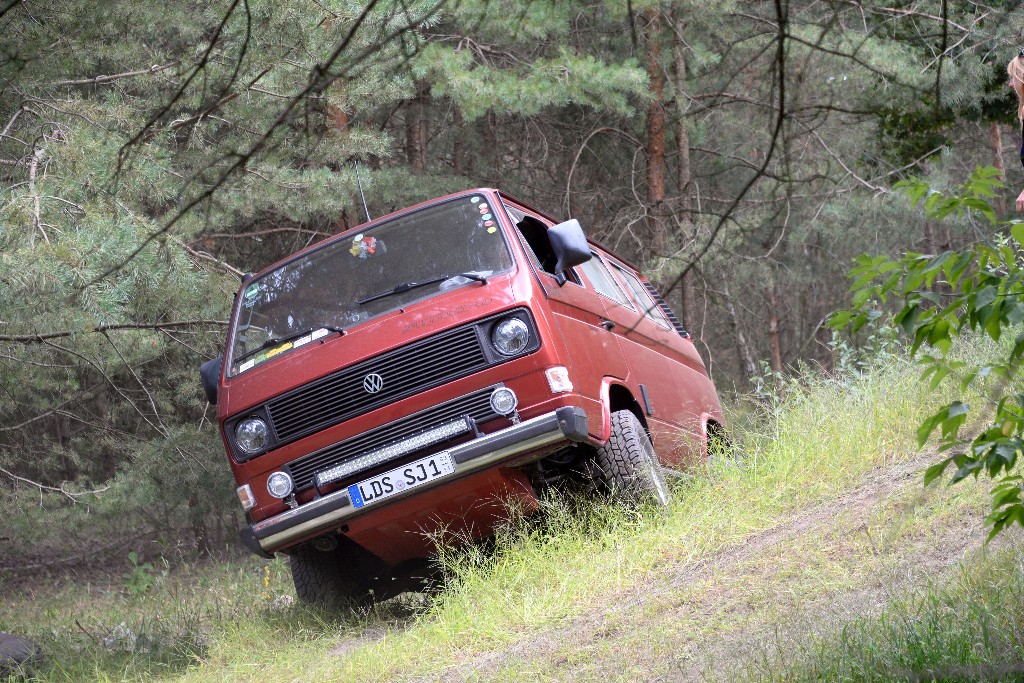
(323, 578)
(628, 465)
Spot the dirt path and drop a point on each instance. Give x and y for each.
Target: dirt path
(821, 566)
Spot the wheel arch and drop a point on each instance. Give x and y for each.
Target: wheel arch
(617, 396)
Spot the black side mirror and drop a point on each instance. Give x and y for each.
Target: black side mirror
(209, 372)
(569, 244)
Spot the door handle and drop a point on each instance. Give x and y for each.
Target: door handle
(608, 325)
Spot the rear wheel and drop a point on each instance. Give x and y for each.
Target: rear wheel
(720, 449)
(627, 462)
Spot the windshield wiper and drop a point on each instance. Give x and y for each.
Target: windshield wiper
(274, 341)
(406, 286)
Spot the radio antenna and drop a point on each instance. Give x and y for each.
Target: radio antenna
(361, 195)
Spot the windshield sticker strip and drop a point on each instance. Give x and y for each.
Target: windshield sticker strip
(302, 341)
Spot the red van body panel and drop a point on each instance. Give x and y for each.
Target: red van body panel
(614, 356)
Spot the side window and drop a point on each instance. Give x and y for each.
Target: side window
(601, 278)
(535, 235)
(651, 308)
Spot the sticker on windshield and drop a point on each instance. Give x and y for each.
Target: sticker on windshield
(483, 208)
(474, 199)
(487, 216)
(363, 246)
(251, 292)
(266, 355)
(302, 341)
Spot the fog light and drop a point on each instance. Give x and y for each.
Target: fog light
(504, 401)
(558, 379)
(246, 497)
(251, 435)
(279, 484)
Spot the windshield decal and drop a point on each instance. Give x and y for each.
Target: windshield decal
(302, 341)
(474, 199)
(276, 351)
(252, 294)
(363, 247)
(264, 357)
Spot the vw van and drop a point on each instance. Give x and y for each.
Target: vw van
(422, 377)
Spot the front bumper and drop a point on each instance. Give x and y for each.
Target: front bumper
(569, 423)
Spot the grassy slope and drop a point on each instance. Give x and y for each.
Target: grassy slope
(827, 510)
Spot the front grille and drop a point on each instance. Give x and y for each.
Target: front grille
(406, 371)
(477, 405)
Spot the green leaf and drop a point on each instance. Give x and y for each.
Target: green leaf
(1017, 232)
(936, 470)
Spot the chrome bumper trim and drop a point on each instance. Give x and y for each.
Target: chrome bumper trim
(568, 423)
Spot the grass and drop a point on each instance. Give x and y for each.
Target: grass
(971, 628)
(228, 621)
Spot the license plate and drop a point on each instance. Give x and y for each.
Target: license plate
(401, 479)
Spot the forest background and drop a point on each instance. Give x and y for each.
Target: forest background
(743, 153)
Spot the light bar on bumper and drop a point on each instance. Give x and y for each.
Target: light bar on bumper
(395, 450)
(567, 423)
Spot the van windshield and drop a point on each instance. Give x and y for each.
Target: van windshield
(412, 257)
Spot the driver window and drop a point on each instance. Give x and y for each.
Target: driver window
(535, 237)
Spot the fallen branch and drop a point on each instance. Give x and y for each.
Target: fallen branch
(195, 118)
(39, 338)
(156, 68)
(33, 166)
(73, 495)
(203, 256)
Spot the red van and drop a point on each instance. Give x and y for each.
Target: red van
(430, 372)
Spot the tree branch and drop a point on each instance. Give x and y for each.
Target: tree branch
(97, 80)
(73, 495)
(40, 338)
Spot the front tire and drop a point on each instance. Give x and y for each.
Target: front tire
(322, 578)
(628, 465)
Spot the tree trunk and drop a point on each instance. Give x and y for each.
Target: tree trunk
(684, 174)
(655, 129)
(337, 114)
(773, 329)
(457, 141)
(199, 530)
(490, 151)
(417, 127)
(682, 133)
(746, 357)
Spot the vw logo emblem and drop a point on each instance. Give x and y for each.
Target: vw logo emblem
(373, 383)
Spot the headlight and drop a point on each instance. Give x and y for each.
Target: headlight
(511, 336)
(251, 435)
(279, 484)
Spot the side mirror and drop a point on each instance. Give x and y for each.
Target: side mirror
(209, 372)
(569, 244)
